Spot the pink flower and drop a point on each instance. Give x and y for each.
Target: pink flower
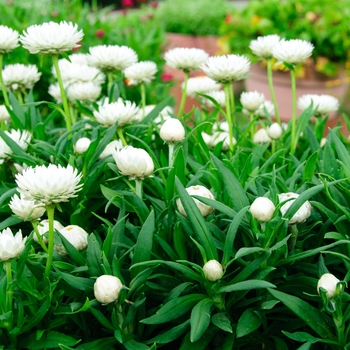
(166, 77)
(127, 3)
(154, 4)
(100, 33)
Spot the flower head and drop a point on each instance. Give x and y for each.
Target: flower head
(82, 145)
(217, 137)
(107, 288)
(11, 246)
(328, 282)
(43, 227)
(8, 39)
(49, 185)
(26, 209)
(51, 38)
(261, 136)
(303, 212)
(19, 77)
(201, 84)
(185, 58)
(76, 236)
(140, 72)
(213, 270)
(274, 131)
(112, 57)
(218, 96)
(172, 131)
(266, 108)
(85, 91)
(292, 51)
(133, 162)
(112, 146)
(252, 100)
(322, 104)
(263, 45)
(4, 114)
(226, 68)
(262, 209)
(22, 138)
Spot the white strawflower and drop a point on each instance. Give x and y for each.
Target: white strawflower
(252, 100)
(213, 270)
(224, 137)
(79, 58)
(303, 212)
(201, 84)
(51, 38)
(185, 59)
(274, 131)
(123, 112)
(8, 39)
(166, 113)
(4, 114)
(329, 283)
(76, 236)
(107, 289)
(111, 57)
(82, 145)
(88, 91)
(141, 72)
(322, 104)
(262, 209)
(43, 227)
(172, 131)
(55, 92)
(261, 136)
(222, 126)
(292, 51)
(133, 162)
(226, 68)
(20, 77)
(112, 146)
(49, 185)
(266, 107)
(22, 138)
(201, 191)
(11, 246)
(24, 209)
(148, 109)
(218, 96)
(263, 45)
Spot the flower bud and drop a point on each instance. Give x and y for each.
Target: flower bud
(274, 131)
(197, 191)
(213, 270)
(172, 131)
(112, 146)
(43, 227)
(261, 136)
(262, 209)
(107, 288)
(76, 236)
(303, 212)
(11, 246)
(82, 145)
(329, 283)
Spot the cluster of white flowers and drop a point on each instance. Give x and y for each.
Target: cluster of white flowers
(322, 104)
(217, 137)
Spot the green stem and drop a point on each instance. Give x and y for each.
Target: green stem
(38, 235)
(143, 99)
(294, 110)
(139, 188)
(19, 97)
(171, 153)
(272, 90)
(184, 96)
(3, 87)
(232, 102)
(227, 87)
(293, 239)
(252, 126)
(50, 214)
(273, 146)
(339, 324)
(110, 77)
(63, 93)
(72, 114)
(9, 291)
(121, 136)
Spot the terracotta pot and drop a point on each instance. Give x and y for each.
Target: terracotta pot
(315, 83)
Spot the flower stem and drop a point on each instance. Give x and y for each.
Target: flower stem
(171, 153)
(232, 102)
(9, 291)
(38, 235)
(294, 110)
(19, 97)
(139, 188)
(63, 93)
(121, 136)
(184, 95)
(3, 87)
(272, 90)
(110, 77)
(143, 99)
(50, 214)
(273, 146)
(293, 238)
(227, 87)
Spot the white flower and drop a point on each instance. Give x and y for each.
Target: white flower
(20, 77)
(303, 212)
(252, 100)
(262, 46)
(323, 142)
(133, 162)
(148, 109)
(4, 114)
(88, 91)
(22, 138)
(119, 111)
(218, 96)
(201, 84)
(8, 39)
(51, 184)
(226, 68)
(112, 57)
(140, 72)
(329, 283)
(11, 246)
(43, 227)
(19, 168)
(322, 104)
(217, 137)
(292, 51)
(172, 131)
(51, 38)
(262, 209)
(55, 92)
(107, 289)
(274, 131)
(26, 210)
(222, 126)
(201, 191)
(113, 145)
(261, 136)
(185, 58)
(213, 270)
(82, 145)
(76, 236)
(266, 107)
(79, 58)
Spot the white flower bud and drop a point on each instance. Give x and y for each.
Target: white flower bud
(26, 210)
(11, 246)
(303, 212)
(213, 270)
(82, 145)
(262, 209)
(43, 227)
(112, 146)
(261, 136)
(274, 131)
(329, 283)
(172, 131)
(323, 142)
(197, 191)
(107, 288)
(76, 236)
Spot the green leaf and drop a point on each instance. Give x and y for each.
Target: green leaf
(343, 153)
(79, 283)
(309, 169)
(246, 251)
(104, 343)
(306, 337)
(94, 256)
(73, 253)
(135, 345)
(171, 334)
(246, 285)
(221, 321)
(247, 323)
(49, 340)
(200, 318)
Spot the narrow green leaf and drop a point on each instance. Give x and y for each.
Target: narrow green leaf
(49, 340)
(221, 321)
(104, 343)
(170, 335)
(309, 169)
(246, 285)
(94, 256)
(200, 318)
(247, 323)
(306, 337)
